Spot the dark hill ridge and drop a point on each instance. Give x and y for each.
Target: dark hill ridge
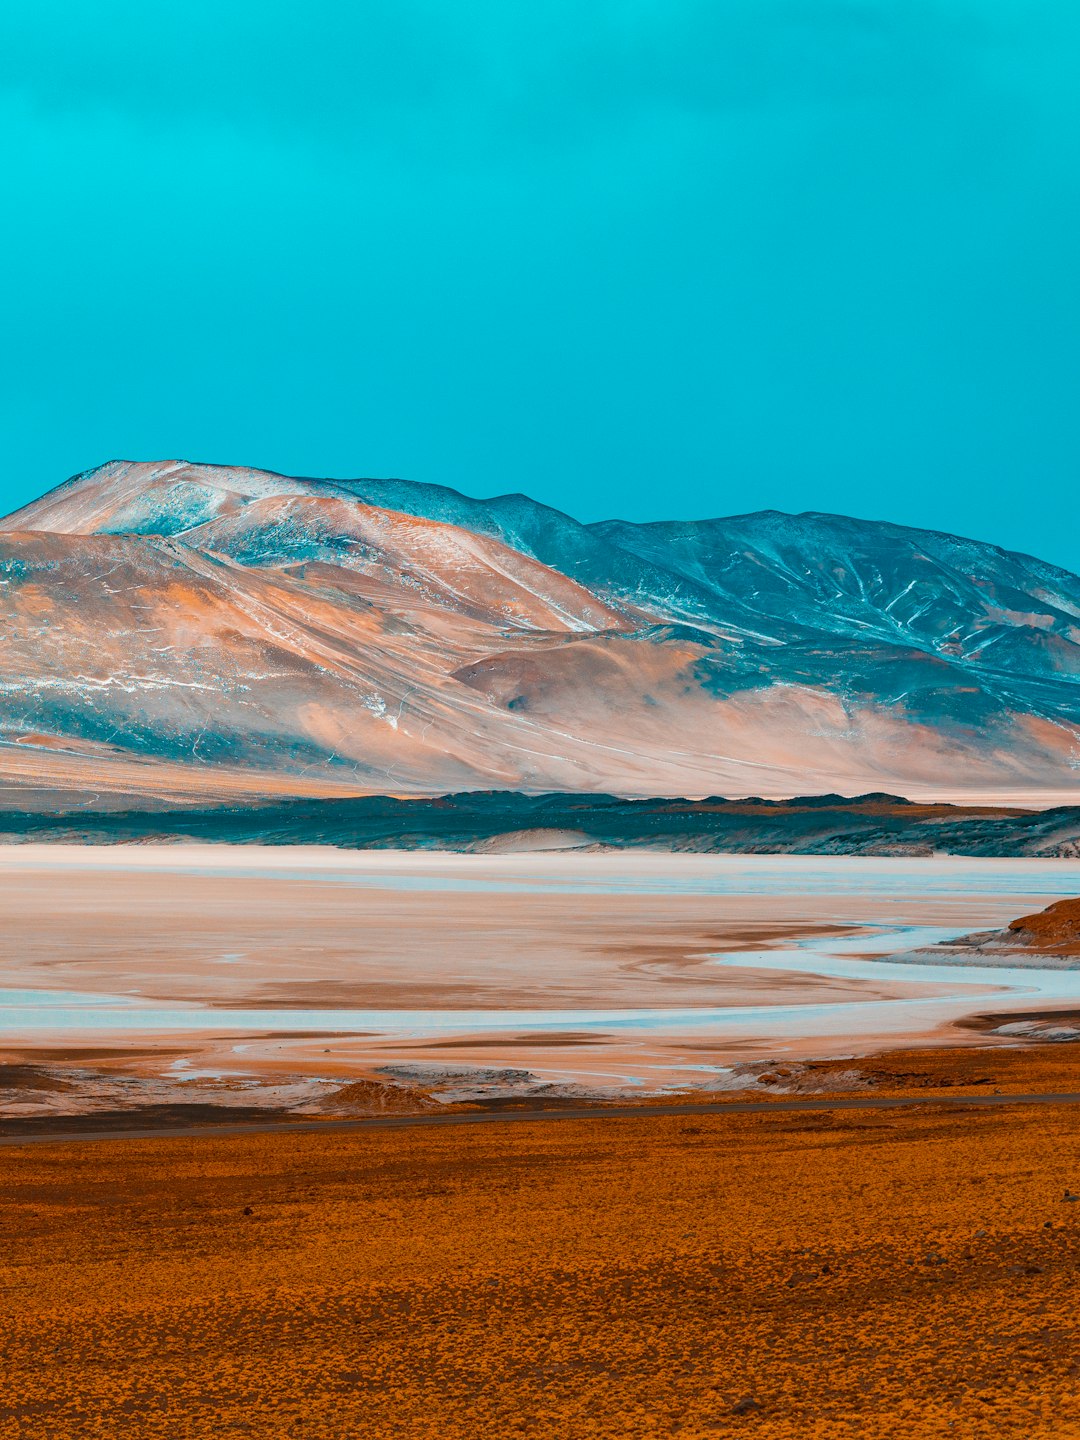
(811, 825)
(371, 635)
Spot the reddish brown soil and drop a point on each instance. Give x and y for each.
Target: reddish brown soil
(1053, 931)
(902, 1274)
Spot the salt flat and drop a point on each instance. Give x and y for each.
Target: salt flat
(274, 975)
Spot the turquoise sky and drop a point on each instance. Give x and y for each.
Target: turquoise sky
(635, 257)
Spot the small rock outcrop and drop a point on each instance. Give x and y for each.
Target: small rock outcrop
(1053, 931)
(1048, 940)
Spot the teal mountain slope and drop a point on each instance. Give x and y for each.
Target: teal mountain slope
(185, 625)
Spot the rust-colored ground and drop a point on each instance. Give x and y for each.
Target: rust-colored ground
(1053, 931)
(900, 1274)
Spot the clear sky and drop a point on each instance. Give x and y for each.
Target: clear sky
(648, 258)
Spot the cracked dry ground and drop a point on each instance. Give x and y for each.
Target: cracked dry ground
(779, 1275)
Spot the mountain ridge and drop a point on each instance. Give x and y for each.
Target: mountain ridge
(404, 632)
(421, 486)
(402, 488)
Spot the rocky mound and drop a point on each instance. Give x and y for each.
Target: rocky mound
(1048, 940)
(1053, 931)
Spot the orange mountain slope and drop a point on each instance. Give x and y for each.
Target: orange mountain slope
(170, 628)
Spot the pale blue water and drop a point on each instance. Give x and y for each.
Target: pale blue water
(23, 1012)
(838, 876)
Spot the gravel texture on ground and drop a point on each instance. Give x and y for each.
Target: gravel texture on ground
(903, 1273)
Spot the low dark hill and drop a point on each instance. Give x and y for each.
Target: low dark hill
(506, 821)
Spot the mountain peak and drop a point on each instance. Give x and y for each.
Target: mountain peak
(199, 619)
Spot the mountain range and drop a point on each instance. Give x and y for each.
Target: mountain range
(178, 632)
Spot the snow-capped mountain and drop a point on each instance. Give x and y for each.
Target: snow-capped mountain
(189, 630)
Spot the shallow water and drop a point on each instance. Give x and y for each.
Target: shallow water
(29, 1012)
(638, 872)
